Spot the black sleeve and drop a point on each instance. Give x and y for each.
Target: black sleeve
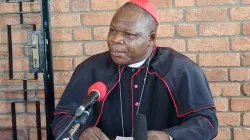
(61, 121)
(200, 125)
(189, 88)
(72, 98)
(194, 102)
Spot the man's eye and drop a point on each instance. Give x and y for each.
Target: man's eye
(129, 34)
(111, 30)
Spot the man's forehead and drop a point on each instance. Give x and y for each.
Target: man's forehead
(125, 18)
(126, 26)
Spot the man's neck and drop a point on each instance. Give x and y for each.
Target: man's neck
(137, 65)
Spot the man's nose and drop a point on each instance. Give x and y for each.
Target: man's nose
(118, 38)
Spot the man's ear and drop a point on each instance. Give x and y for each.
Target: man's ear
(152, 39)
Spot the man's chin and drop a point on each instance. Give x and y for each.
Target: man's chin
(119, 61)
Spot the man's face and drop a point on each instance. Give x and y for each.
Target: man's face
(128, 37)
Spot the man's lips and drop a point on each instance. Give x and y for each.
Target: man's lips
(116, 52)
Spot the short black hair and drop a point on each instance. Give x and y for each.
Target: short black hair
(148, 17)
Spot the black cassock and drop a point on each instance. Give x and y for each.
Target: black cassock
(176, 98)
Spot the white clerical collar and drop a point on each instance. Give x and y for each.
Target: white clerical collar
(138, 64)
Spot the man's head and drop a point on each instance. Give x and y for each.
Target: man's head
(132, 34)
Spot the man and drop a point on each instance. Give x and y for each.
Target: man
(164, 85)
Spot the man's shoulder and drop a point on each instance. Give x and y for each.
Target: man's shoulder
(170, 55)
(97, 60)
(170, 59)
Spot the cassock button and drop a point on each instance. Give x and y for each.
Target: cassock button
(133, 70)
(136, 86)
(137, 104)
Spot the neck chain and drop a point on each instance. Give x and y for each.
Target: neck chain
(144, 82)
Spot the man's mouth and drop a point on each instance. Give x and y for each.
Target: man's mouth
(116, 52)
